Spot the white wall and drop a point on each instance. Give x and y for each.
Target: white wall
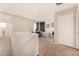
(75, 24)
(16, 24)
(49, 20)
(22, 25)
(65, 29)
(50, 17)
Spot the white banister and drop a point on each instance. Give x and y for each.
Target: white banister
(25, 44)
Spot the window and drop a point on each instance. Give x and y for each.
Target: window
(3, 25)
(41, 26)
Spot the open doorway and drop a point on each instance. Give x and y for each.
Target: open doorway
(39, 27)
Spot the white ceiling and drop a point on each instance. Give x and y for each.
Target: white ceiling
(33, 11)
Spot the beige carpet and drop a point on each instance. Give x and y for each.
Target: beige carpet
(48, 49)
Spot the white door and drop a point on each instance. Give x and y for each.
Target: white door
(65, 29)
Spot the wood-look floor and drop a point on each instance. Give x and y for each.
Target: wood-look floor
(48, 49)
